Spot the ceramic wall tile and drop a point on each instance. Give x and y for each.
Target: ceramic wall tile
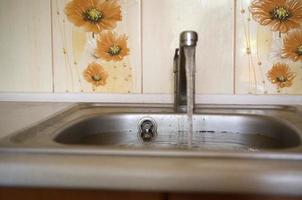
(45, 50)
(162, 23)
(25, 46)
(79, 43)
(259, 48)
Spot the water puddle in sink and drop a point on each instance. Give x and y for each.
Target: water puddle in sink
(208, 140)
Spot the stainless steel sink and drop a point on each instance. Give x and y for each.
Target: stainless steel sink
(236, 131)
(144, 147)
(215, 131)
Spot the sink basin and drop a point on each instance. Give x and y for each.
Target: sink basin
(211, 131)
(219, 130)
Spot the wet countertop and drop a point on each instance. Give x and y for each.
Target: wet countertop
(135, 172)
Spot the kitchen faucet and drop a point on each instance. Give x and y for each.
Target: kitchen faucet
(188, 39)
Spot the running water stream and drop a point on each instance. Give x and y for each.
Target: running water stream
(189, 53)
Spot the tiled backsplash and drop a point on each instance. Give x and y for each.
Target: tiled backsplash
(127, 46)
(260, 47)
(163, 21)
(25, 46)
(75, 47)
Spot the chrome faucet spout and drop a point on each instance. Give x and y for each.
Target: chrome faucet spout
(188, 39)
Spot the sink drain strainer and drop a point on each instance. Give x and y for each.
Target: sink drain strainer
(147, 130)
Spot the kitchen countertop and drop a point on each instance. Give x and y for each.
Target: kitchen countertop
(19, 115)
(134, 172)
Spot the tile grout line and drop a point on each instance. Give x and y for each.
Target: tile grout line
(52, 46)
(234, 45)
(141, 45)
(152, 98)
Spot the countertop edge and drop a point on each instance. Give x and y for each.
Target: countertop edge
(152, 174)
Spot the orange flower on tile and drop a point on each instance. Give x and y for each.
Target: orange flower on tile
(112, 47)
(94, 15)
(95, 74)
(280, 15)
(281, 75)
(292, 45)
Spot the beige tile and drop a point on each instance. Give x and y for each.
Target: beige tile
(254, 47)
(163, 20)
(72, 53)
(25, 46)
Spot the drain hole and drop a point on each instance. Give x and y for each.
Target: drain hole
(147, 130)
(147, 136)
